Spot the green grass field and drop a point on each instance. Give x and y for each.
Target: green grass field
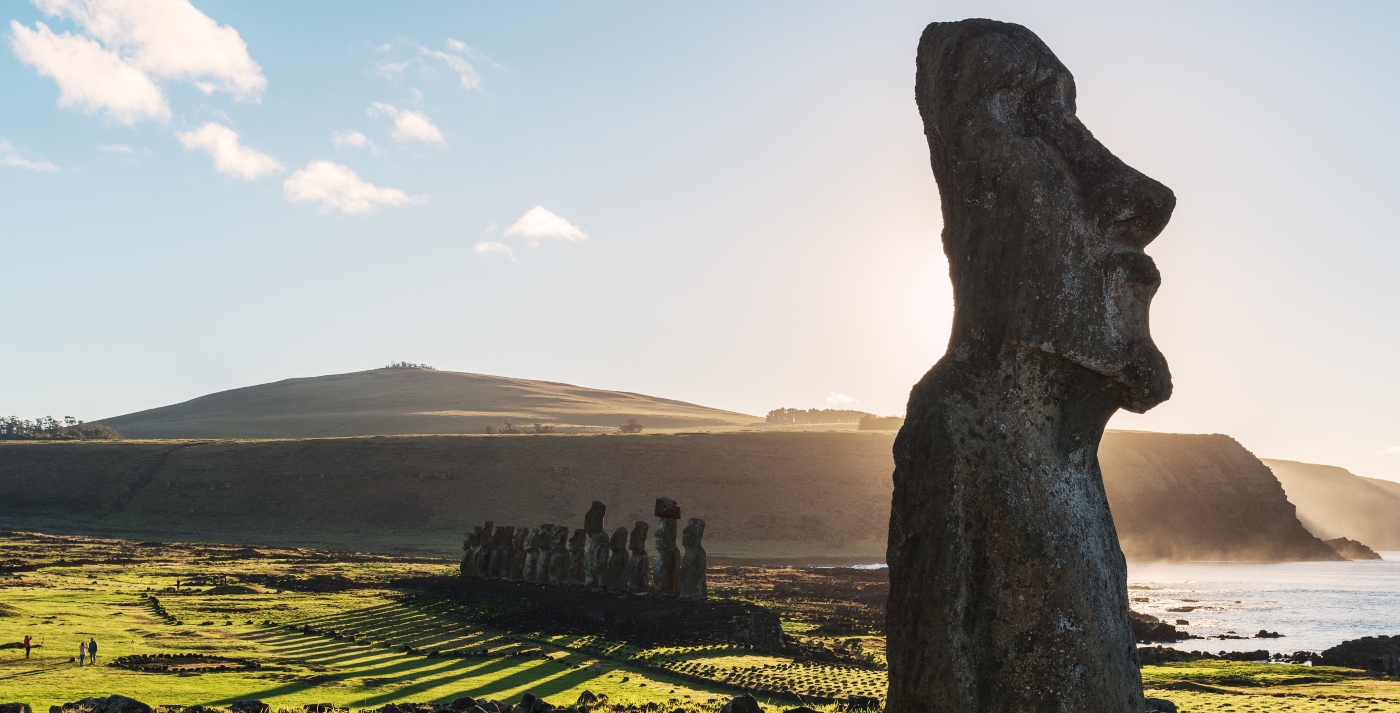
(371, 644)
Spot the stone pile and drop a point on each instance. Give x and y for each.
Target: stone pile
(553, 555)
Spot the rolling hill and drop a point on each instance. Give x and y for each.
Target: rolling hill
(1332, 502)
(394, 401)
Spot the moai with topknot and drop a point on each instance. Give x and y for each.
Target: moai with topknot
(595, 553)
(665, 576)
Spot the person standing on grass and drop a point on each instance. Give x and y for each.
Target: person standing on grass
(82, 652)
(92, 651)
(27, 641)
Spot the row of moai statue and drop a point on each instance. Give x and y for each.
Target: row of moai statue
(549, 554)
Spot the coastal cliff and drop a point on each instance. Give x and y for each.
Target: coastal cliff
(1200, 497)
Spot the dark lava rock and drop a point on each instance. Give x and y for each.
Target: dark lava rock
(463, 703)
(14, 708)
(742, 704)
(1372, 653)
(800, 709)
(1149, 629)
(1008, 589)
(666, 507)
(1351, 549)
(108, 704)
(1266, 634)
(1160, 705)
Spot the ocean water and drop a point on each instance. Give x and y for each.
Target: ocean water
(1315, 605)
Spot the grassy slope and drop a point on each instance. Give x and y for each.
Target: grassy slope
(1333, 502)
(401, 401)
(762, 493)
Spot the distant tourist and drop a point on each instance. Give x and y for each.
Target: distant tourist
(82, 652)
(27, 640)
(92, 651)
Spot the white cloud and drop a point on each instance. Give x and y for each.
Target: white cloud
(409, 125)
(121, 149)
(493, 248)
(89, 77)
(466, 73)
(337, 188)
(838, 399)
(1391, 451)
(230, 157)
(354, 139)
(491, 228)
(539, 223)
(125, 46)
(10, 157)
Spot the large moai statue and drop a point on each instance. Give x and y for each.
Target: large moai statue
(615, 578)
(469, 552)
(500, 551)
(577, 545)
(516, 569)
(1008, 589)
(483, 549)
(546, 545)
(532, 556)
(665, 576)
(559, 557)
(595, 553)
(638, 566)
(693, 585)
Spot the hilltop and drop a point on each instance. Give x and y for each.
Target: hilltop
(395, 401)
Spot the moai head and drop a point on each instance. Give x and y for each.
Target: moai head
(577, 541)
(473, 538)
(666, 534)
(522, 538)
(559, 538)
(1044, 228)
(618, 542)
(593, 519)
(638, 541)
(543, 535)
(666, 507)
(487, 532)
(694, 530)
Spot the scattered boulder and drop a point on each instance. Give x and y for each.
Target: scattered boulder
(1148, 629)
(14, 708)
(1160, 705)
(1266, 634)
(463, 703)
(108, 704)
(742, 704)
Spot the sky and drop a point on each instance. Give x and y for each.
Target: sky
(728, 204)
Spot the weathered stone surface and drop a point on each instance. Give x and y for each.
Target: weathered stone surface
(530, 567)
(500, 551)
(639, 568)
(693, 565)
(593, 519)
(616, 578)
(518, 549)
(1373, 653)
(744, 703)
(483, 550)
(665, 575)
(108, 704)
(1008, 590)
(15, 708)
(469, 548)
(666, 507)
(577, 544)
(545, 542)
(595, 561)
(1160, 705)
(559, 556)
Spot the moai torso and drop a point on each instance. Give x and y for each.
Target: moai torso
(559, 557)
(577, 542)
(616, 577)
(483, 550)
(665, 576)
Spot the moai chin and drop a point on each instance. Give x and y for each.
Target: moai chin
(638, 566)
(483, 549)
(1008, 590)
(693, 585)
(559, 557)
(616, 576)
(576, 546)
(595, 555)
(665, 576)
